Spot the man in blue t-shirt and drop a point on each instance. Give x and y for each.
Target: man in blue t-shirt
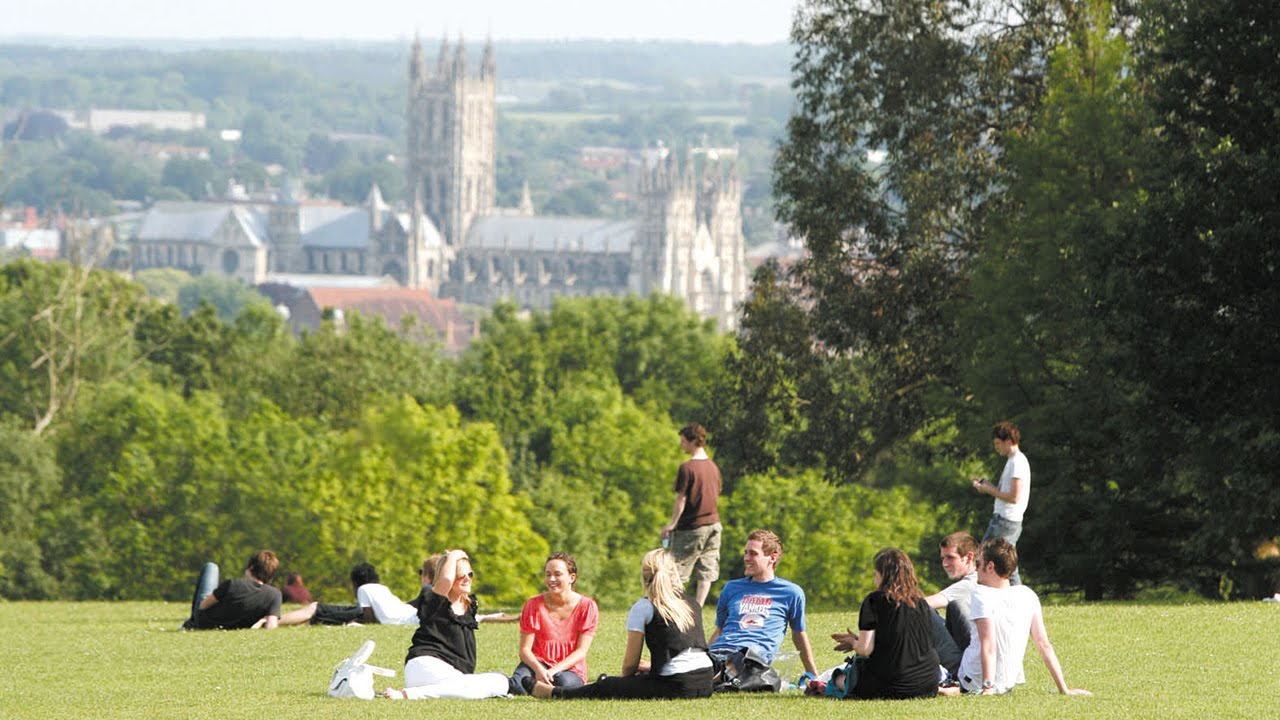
(754, 612)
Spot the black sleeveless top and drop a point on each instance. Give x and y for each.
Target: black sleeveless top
(665, 640)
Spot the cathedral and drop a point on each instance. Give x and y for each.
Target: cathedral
(684, 239)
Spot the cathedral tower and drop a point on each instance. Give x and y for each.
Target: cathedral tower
(451, 129)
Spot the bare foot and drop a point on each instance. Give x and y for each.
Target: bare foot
(542, 690)
(950, 691)
(395, 694)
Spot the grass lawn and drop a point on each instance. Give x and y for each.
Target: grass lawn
(128, 660)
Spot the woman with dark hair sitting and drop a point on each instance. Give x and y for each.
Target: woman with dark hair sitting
(556, 630)
(670, 624)
(894, 635)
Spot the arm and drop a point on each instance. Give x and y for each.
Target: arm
(631, 657)
(866, 643)
(845, 640)
(580, 652)
(1041, 638)
(270, 622)
(540, 672)
(987, 645)
(801, 639)
(209, 601)
(937, 601)
(714, 634)
(677, 509)
(1015, 487)
(448, 573)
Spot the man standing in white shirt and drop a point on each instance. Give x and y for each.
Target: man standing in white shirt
(1003, 616)
(1013, 491)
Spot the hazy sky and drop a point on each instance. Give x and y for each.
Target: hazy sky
(754, 21)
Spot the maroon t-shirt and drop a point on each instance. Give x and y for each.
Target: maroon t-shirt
(699, 482)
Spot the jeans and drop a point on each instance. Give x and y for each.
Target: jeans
(1009, 530)
(205, 586)
(563, 679)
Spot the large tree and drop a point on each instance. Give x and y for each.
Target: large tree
(890, 168)
(1205, 291)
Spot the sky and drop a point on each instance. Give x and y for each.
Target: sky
(721, 21)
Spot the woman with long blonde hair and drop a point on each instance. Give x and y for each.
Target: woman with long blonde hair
(669, 623)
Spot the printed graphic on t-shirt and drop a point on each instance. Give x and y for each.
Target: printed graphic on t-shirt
(753, 610)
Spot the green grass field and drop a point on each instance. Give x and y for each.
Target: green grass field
(128, 660)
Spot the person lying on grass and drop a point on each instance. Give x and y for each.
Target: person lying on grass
(669, 622)
(244, 602)
(1002, 616)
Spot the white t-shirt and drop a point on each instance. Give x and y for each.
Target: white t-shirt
(388, 608)
(961, 591)
(1010, 611)
(692, 659)
(1016, 467)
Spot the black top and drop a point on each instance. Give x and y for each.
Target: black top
(441, 634)
(241, 603)
(903, 662)
(665, 640)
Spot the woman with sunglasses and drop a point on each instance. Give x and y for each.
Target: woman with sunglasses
(442, 658)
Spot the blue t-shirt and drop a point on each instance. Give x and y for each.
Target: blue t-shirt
(756, 615)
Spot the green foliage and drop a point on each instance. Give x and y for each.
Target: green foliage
(1045, 294)
(830, 533)
(28, 483)
(411, 480)
(227, 295)
(60, 327)
(334, 373)
(162, 283)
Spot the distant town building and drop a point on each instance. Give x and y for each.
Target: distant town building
(101, 121)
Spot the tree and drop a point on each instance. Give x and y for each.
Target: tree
(62, 325)
(1040, 337)
(29, 482)
(228, 296)
(889, 169)
(1203, 295)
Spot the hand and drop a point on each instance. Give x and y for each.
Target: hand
(979, 484)
(845, 640)
(805, 677)
(1077, 691)
(544, 675)
(666, 531)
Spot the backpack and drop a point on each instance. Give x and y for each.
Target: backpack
(354, 678)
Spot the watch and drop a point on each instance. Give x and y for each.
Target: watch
(988, 685)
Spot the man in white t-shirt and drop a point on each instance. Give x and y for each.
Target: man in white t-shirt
(1003, 616)
(951, 636)
(1012, 493)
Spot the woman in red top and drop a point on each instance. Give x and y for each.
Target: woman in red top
(556, 629)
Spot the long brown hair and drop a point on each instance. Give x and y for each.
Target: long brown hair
(897, 576)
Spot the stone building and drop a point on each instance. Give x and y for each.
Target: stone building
(685, 238)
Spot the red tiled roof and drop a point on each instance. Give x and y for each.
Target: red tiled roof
(392, 304)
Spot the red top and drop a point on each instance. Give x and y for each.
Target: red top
(554, 639)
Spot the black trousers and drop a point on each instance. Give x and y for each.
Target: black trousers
(695, 684)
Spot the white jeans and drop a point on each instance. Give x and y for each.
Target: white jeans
(430, 677)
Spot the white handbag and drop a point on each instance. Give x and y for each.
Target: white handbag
(354, 678)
